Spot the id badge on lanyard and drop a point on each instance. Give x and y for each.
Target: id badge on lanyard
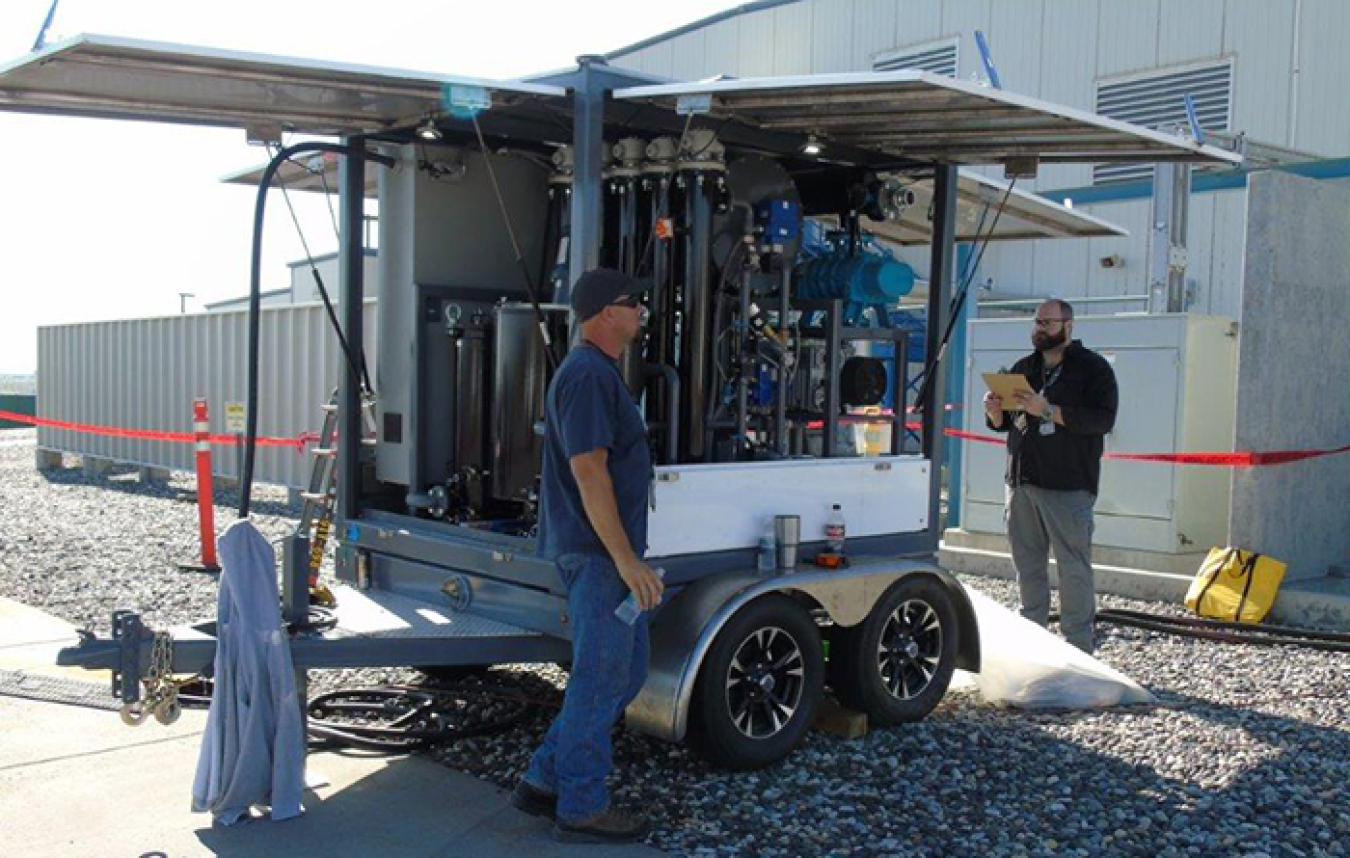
(1047, 427)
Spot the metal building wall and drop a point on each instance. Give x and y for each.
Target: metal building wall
(144, 374)
(1289, 67)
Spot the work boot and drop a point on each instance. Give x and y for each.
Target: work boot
(528, 798)
(612, 826)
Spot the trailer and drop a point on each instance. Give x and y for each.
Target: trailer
(760, 361)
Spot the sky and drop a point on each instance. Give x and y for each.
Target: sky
(112, 220)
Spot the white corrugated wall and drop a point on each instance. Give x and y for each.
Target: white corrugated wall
(144, 374)
(1289, 67)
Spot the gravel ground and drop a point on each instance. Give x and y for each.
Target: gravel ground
(1247, 753)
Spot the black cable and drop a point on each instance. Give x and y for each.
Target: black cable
(960, 300)
(515, 247)
(255, 301)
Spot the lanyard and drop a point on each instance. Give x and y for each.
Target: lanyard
(1051, 376)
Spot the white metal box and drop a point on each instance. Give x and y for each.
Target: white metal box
(720, 507)
(1177, 380)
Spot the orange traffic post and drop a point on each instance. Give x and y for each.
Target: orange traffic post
(206, 506)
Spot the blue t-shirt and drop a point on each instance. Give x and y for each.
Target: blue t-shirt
(589, 407)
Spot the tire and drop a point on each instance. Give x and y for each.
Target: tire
(759, 686)
(896, 664)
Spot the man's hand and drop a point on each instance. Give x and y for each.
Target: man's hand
(1032, 403)
(993, 407)
(643, 581)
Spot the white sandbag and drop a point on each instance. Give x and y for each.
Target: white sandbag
(1024, 665)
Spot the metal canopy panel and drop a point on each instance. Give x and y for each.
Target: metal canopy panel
(317, 173)
(923, 117)
(115, 78)
(1024, 216)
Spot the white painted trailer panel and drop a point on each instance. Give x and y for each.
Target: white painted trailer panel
(725, 506)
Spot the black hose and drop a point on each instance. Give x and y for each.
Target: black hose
(398, 719)
(1222, 631)
(255, 302)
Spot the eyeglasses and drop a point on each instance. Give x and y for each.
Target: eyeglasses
(1045, 323)
(627, 301)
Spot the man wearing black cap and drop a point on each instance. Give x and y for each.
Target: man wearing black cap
(593, 525)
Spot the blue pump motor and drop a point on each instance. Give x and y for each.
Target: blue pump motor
(865, 278)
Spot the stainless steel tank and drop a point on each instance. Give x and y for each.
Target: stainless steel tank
(519, 381)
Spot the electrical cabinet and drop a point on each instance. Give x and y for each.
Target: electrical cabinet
(1177, 380)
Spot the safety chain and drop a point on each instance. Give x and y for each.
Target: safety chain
(161, 691)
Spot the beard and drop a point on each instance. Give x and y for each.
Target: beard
(1044, 341)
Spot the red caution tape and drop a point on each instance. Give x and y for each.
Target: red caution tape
(1239, 459)
(153, 435)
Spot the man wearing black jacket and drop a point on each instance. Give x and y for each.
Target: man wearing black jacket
(1055, 441)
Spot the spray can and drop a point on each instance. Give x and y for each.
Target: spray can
(834, 530)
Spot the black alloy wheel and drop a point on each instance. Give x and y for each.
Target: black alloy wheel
(759, 687)
(897, 663)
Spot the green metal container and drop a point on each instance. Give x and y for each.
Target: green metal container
(19, 403)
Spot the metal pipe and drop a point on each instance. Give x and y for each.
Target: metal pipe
(696, 344)
(352, 179)
(939, 303)
(1037, 301)
(833, 366)
(671, 427)
(781, 394)
(745, 364)
(456, 335)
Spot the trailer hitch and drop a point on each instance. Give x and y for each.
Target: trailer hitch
(121, 654)
(135, 653)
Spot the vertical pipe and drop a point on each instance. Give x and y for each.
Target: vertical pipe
(939, 305)
(956, 384)
(660, 351)
(781, 392)
(833, 344)
(899, 384)
(352, 178)
(698, 297)
(630, 363)
(745, 364)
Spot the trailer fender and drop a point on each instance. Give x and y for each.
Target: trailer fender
(684, 630)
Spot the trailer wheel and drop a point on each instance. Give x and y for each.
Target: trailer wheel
(759, 686)
(896, 664)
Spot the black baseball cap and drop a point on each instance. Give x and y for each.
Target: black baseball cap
(598, 288)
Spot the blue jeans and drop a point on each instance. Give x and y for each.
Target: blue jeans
(609, 666)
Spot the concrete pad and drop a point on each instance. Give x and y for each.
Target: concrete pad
(76, 782)
(30, 639)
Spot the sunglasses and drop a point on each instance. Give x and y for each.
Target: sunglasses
(627, 301)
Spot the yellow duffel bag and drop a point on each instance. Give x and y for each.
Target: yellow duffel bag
(1235, 585)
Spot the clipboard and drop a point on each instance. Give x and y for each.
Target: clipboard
(1005, 384)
